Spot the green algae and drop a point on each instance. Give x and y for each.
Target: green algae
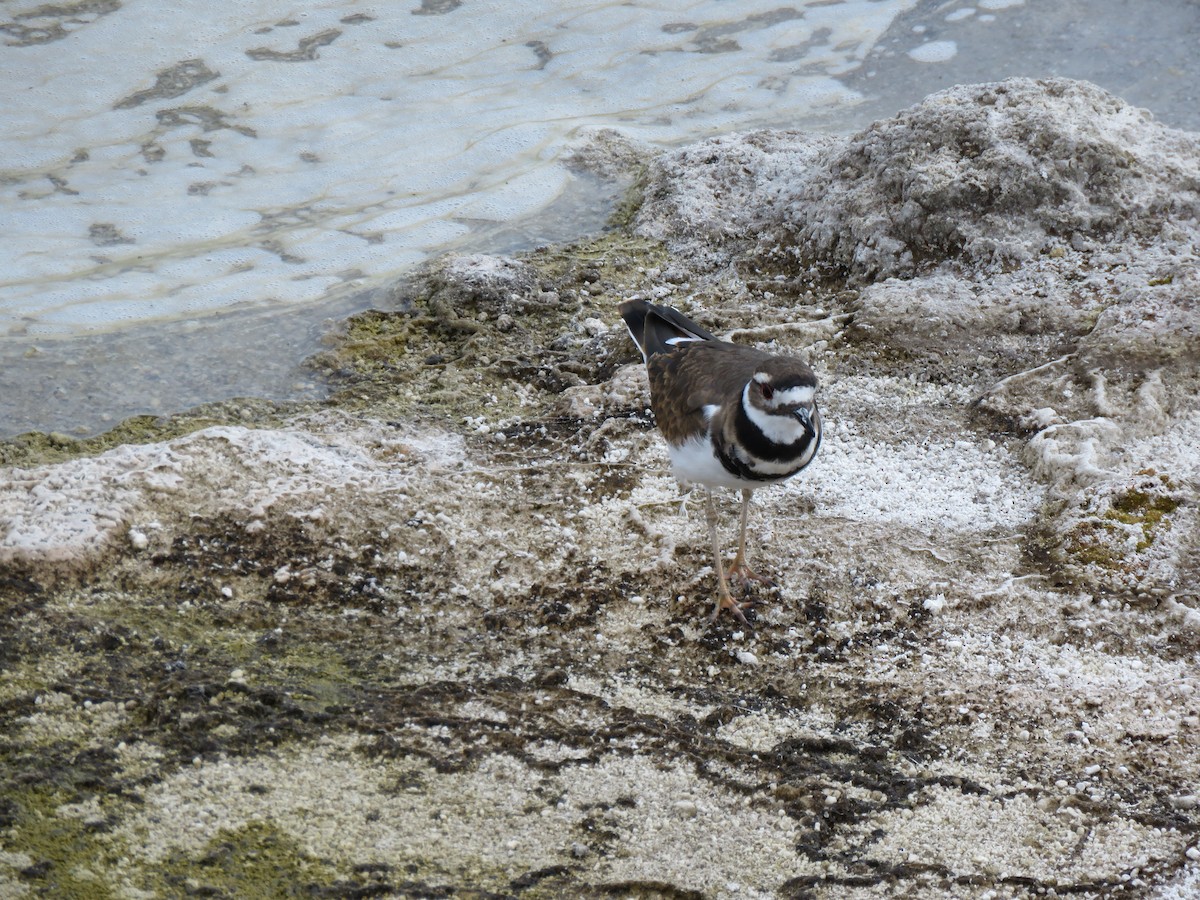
(457, 352)
(1084, 545)
(254, 861)
(68, 856)
(40, 448)
(1101, 540)
(631, 201)
(116, 668)
(1145, 509)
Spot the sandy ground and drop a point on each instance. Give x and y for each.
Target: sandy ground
(447, 634)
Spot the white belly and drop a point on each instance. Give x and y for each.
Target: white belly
(695, 463)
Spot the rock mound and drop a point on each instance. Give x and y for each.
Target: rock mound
(991, 174)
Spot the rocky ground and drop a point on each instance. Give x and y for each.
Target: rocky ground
(447, 634)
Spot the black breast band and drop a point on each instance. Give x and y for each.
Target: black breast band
(739, 469)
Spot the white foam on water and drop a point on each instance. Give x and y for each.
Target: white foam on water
(123, 199)
(934, 51)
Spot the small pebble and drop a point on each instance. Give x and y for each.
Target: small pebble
(686, 808)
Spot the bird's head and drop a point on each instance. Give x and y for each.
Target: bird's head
(788, 391)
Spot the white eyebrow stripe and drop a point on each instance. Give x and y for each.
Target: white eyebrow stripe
(797, 395)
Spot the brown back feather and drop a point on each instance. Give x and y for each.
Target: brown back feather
(709, 368)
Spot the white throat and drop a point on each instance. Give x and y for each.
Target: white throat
(780, 429)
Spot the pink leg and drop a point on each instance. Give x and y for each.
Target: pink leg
(739, 569)
(724, 598)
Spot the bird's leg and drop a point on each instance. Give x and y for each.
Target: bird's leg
(724, 598)
(739, 569)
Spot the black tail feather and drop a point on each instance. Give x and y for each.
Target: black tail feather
(654, 327)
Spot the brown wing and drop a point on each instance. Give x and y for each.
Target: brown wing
(695, 375)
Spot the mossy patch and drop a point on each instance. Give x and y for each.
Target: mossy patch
(38, 448)
(626, 210)
(60, 855)
(492, 337)
(1147, 509)
(256, 860)
(1114, 534)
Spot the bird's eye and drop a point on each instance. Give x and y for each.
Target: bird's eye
(768, 392)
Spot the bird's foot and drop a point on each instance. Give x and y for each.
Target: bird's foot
(725, 601)
(744, 575)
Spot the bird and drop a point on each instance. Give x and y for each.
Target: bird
(732, 416)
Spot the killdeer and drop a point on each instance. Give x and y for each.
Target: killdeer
(732, 416)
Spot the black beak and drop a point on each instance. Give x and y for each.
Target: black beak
(805, 418)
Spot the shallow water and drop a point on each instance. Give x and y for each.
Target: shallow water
(198, 209)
